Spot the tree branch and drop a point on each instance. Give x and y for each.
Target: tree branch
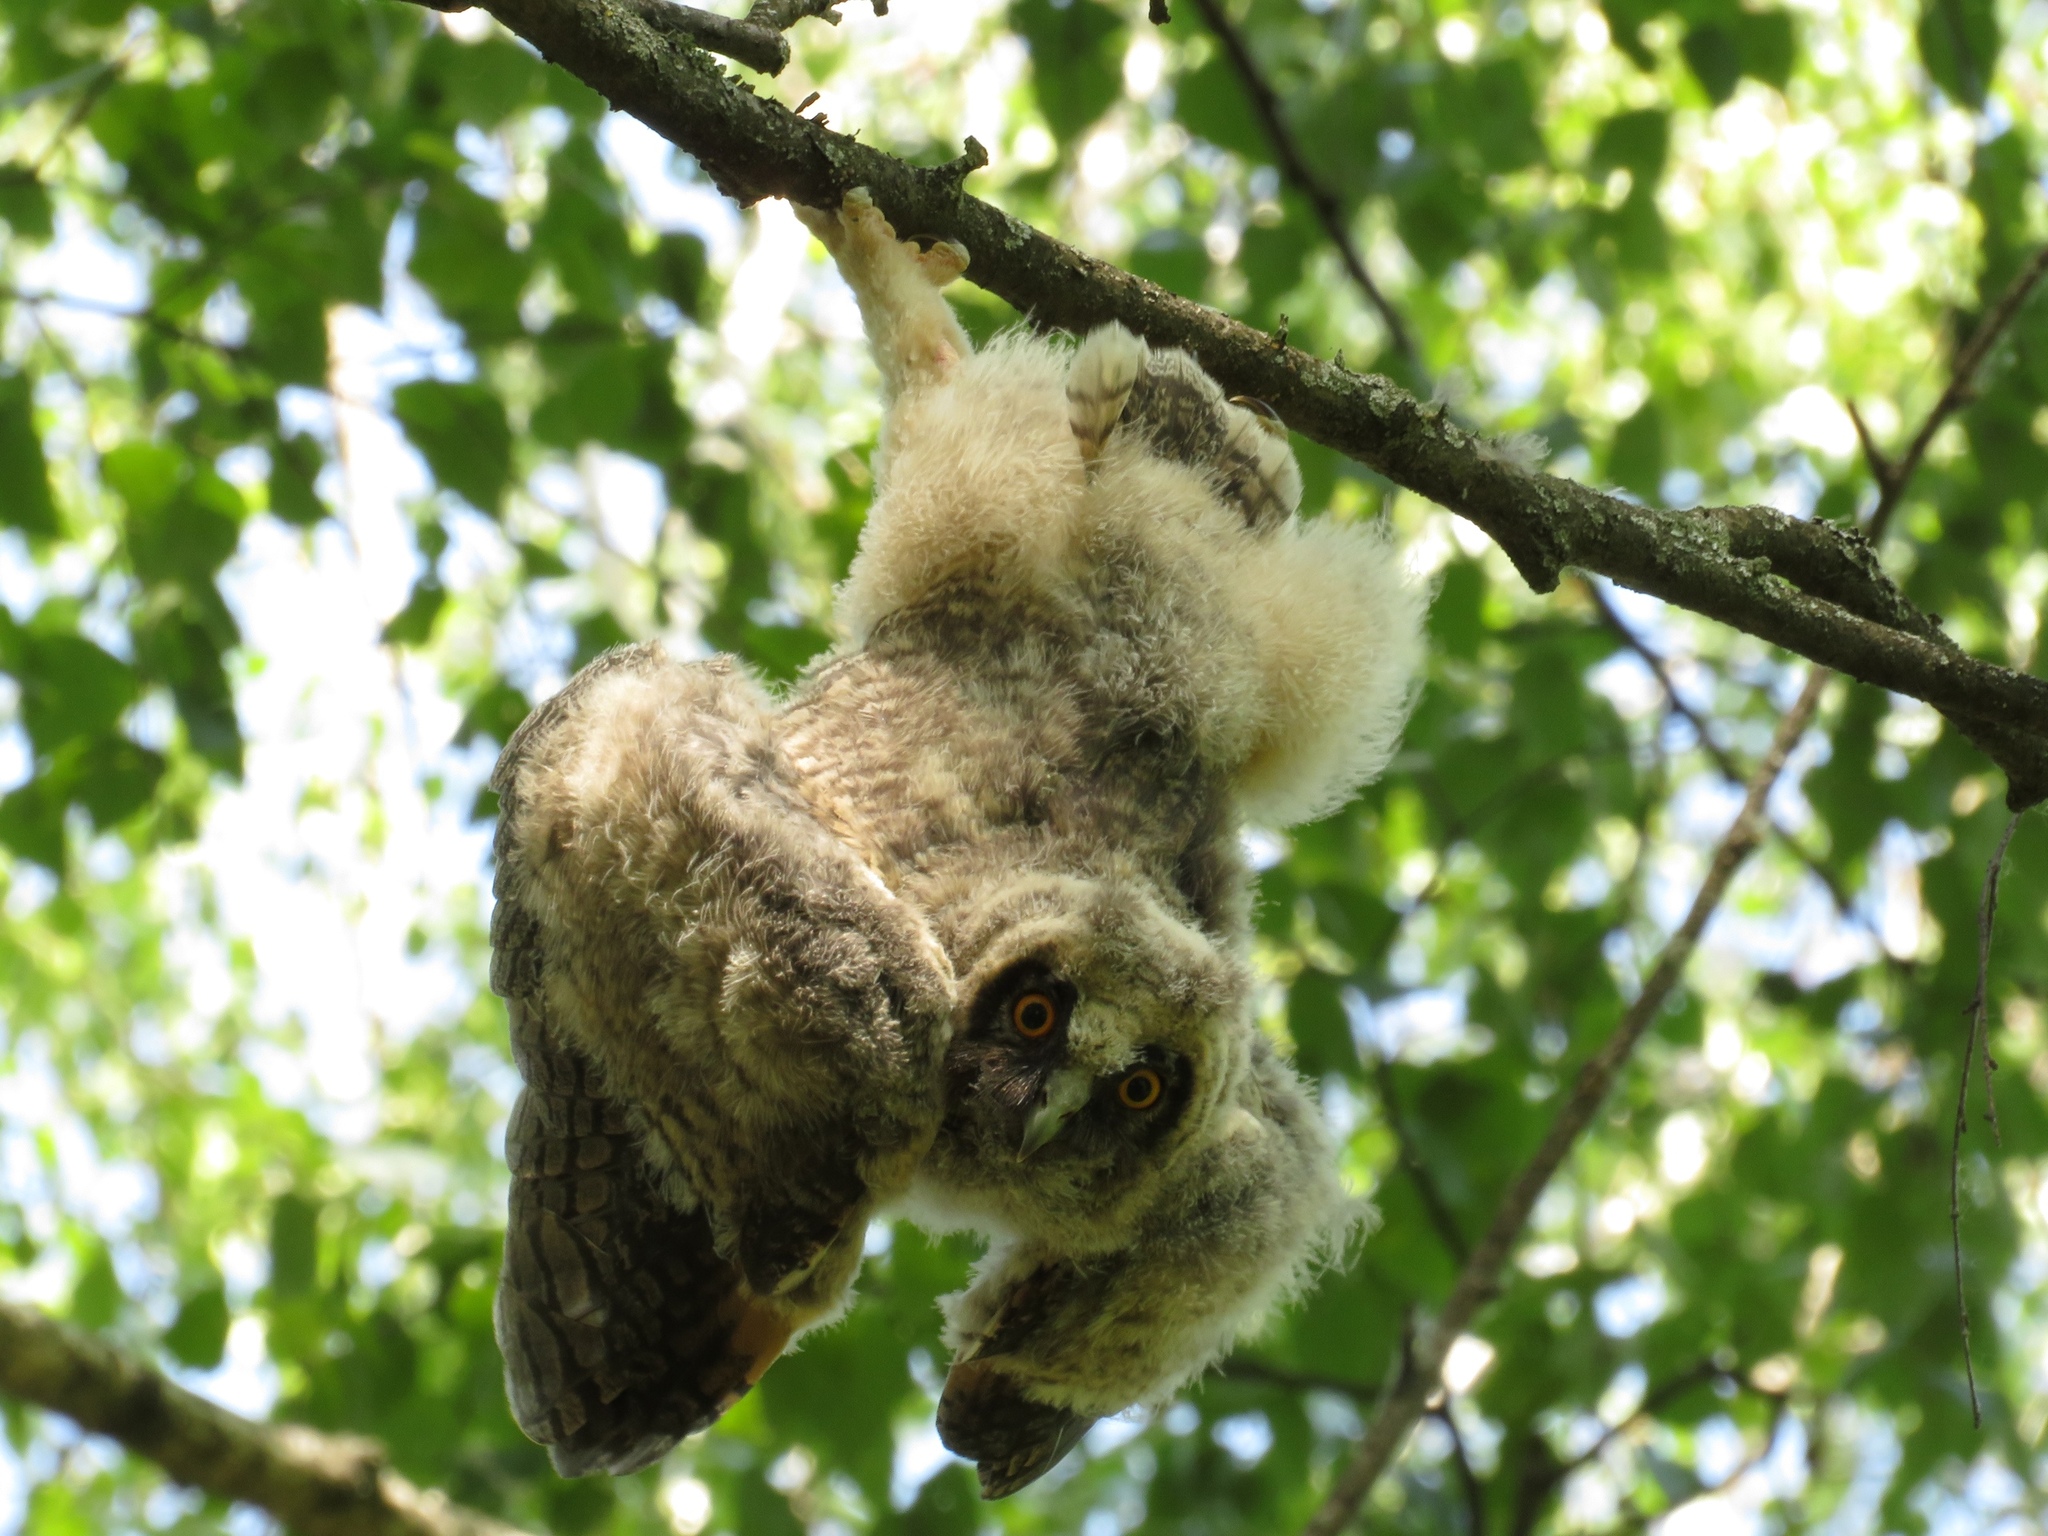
(1265, 104)
(754, 40)
(1434, 1205)
(1809, 588)
(318, 1484)
(1468, 1480)
(1536, 1490)
(1477, 1282)
(1245, 1368)
(1978, 1037)
(1892, 475)
(1723, 761)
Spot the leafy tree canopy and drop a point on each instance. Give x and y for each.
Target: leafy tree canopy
(361, 376)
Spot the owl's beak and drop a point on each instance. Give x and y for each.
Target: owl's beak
(1066, 1091)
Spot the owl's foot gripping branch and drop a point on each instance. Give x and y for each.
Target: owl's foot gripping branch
(1806, 587)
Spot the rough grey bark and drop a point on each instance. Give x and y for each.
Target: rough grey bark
(318, 1484)
(1810, 587)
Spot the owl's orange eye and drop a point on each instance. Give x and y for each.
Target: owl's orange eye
(1141, 1089)
(1034, 1015)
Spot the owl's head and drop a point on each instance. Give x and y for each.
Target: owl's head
(1158, 1175)
(1100, 1037)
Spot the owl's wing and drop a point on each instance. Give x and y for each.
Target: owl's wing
(1120, 389)
(621, 1327)
(723, 1010)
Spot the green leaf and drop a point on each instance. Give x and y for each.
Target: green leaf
(1211, 104)
(679, 269)
(199, 1335)
(414, 623)
(32, 823)
(1635, 141)
(460, 253)
(1173, 259)
(70, 688)
(1715, 59)
(96, 1297)
(1959, 44)
(1636, 459)
(25, 500)
(493, 714)
(461, 431)
(294, 1246)
(113, 778)
(294, 465)
(24, 205)
(1768, 45)
(1076, 69)
(183, 519)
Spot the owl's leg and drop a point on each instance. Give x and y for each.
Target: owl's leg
(1108, 366)
(912, 328)
(1166, 405)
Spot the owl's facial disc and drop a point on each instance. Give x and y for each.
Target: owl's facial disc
(1043, 1075)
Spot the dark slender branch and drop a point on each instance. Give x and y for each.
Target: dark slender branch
(1480, 1277)
(1723, 761)
(1881, 467)
(102, 81)
(1618, 626)
(754, 40)
(147, 317)
(1243, 1368)
(318, 1484)
(1537, 1489)
(1439, 1210)
(1978, 1037)
(1892, 476)
(1724, 565)
(1265, 105)
(1468, 1481)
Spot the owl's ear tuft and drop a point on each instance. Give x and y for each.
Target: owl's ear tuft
(1012, 1438)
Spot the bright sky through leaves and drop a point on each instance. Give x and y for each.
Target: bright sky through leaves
(446, 380)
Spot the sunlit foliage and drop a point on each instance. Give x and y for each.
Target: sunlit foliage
(360, 377)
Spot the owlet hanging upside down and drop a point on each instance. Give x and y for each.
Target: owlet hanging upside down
(958, 929)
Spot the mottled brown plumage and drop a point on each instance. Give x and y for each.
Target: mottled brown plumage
(960, 928)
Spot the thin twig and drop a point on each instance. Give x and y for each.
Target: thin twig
(318, 1484)
(148, 318)
(754, 40)
(1719, 755)
(1881, 467)
(1265, 105)
(1536, 1489)
(1986, 917)
(1724, 563)
(1892, 478)
(1478, 1281)
(1977, 1038)
(1468, 1481)
(102, 81)
(1244, 1368)
(1439, 1209)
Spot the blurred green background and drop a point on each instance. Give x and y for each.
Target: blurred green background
(360, 377)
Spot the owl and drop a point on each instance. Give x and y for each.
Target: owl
(958, 928)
